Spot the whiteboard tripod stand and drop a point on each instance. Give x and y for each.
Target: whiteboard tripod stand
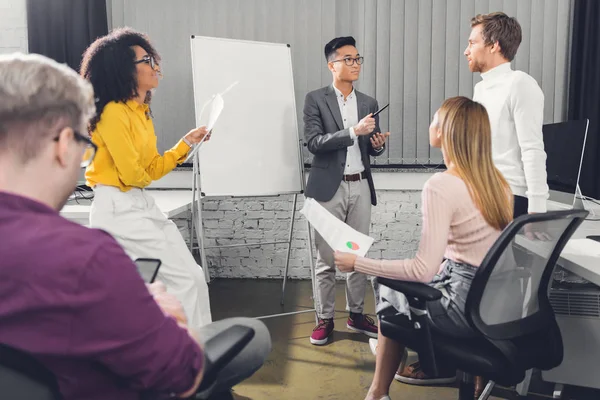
(198, 226)
(260, 131)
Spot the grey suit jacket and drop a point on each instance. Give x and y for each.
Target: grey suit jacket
(327, 139)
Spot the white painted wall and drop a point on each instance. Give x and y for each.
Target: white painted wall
(13, 26)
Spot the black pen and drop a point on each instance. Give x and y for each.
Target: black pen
(380, 110)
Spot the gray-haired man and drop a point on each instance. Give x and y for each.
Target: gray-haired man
(69, 295)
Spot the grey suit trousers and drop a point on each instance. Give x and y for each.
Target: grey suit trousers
(351, 204)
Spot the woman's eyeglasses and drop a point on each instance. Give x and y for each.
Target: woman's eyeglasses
(147, 60)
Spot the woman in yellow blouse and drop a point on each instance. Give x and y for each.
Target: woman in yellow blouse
(123, 69)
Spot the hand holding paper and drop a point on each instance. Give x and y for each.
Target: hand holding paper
(336, 233)
(344, 261)
(198, 135)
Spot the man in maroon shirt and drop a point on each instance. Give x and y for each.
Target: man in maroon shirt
(69, 295)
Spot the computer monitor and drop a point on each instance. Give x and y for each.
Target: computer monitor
(564, 143)
(81, 178)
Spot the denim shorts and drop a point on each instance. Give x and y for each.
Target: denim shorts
(447, 314)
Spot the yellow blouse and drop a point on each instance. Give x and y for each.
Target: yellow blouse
(127, 155)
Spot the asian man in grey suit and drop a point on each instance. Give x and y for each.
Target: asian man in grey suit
(342, 133)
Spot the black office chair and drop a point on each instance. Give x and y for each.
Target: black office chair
(507, 306)
(22, 377)
(219, 351)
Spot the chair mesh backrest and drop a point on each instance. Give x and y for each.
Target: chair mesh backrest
(511, 292)
(515, 286)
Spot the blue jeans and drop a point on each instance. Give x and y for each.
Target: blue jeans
(447, 315)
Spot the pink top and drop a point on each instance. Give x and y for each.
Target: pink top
(453, 227)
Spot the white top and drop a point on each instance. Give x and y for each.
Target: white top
(515, 104)
(349, 111)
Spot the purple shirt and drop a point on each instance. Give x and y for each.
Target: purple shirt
(71, 297)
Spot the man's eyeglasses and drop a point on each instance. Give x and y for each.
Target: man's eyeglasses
(90, 148)
(148, 60)
(349, 61)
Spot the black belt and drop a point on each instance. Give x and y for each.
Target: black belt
(355, 177)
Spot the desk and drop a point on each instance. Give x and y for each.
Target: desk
(585, 265)
(171, 202)
(577, 309)
(580, 325)
(582, 259)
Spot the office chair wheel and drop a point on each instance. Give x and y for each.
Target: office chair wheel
(222, 396)
(466, 388)
(558, 390)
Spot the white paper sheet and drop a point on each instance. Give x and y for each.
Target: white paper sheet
(336, 233)
(216, 105)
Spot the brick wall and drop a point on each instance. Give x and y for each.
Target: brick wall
(395, 226)
(13, 26)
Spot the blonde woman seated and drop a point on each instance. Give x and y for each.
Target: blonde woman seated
(464, 209)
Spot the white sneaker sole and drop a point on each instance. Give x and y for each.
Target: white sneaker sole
(369, 334)
(373, 346)
(424, 382)
(321, 342)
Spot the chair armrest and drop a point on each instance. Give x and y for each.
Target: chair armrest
(418, 290)
(418, 294)
(221, 349)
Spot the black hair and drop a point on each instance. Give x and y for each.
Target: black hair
(108, 64)
(334, 44)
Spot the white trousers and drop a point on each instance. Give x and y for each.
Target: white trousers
(136, 222)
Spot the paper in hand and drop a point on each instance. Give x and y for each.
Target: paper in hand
(215, 110)
(336, 233)
(216, 105)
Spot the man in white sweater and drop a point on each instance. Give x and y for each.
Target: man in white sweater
(515, 104)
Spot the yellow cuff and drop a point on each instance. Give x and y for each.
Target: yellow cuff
(182, 148)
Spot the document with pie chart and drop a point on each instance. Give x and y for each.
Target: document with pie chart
(336, 233)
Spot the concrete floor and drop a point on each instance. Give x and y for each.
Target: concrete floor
(343, 369)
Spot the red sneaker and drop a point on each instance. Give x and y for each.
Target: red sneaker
(363, 324)
(322, 332)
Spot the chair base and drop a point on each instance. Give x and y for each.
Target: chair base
(558, 389)
(487, 391)
(466, 389)
(222, 396)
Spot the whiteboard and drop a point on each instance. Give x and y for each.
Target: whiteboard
(254, 149)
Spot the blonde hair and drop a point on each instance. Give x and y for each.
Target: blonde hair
(467, 142)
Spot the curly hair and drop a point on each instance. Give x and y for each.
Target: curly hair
(108, 64)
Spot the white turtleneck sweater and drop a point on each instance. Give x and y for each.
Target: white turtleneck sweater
(515, 105)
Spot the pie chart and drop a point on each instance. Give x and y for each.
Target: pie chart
(352, 246)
